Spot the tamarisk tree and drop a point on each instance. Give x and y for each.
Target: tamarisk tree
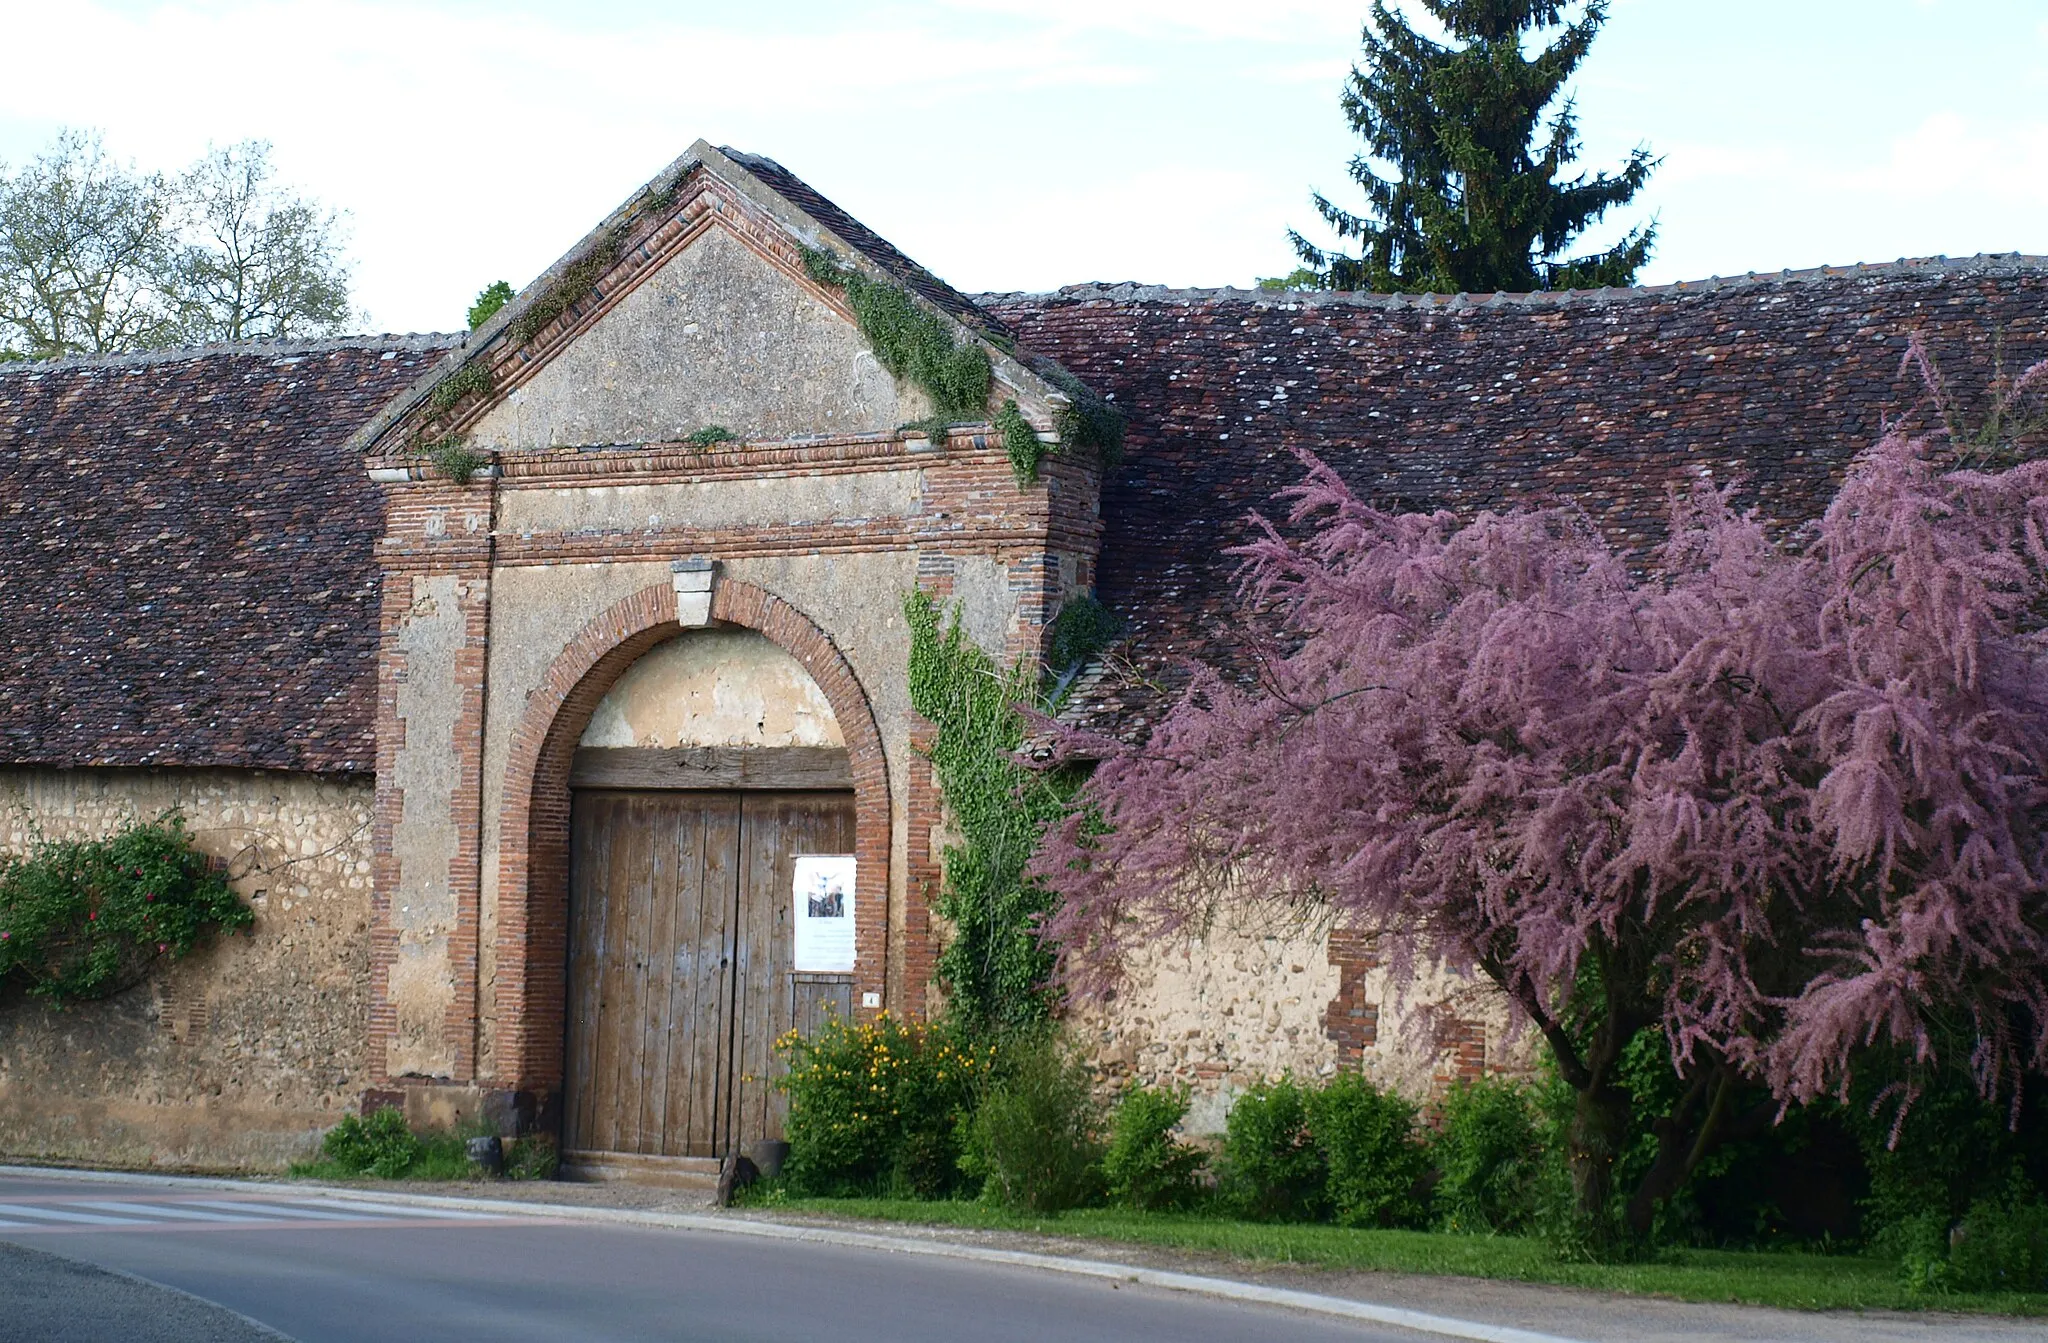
(1781, 802)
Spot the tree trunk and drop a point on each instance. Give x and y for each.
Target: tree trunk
(1599, 1132)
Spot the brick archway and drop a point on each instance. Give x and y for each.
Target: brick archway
(533, 824)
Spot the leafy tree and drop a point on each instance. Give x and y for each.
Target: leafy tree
(257, 262)
(86, 248)
(492, 297)
(97, 258)
(1777, 802)
(1476, 201)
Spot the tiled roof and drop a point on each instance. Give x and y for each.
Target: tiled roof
(187, 562)
(1603, 397)
(866, 241)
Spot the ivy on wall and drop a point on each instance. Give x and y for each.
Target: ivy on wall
(994, 968)
(915, 344)
(1020, 442)
(909, 341)
(83, 919)
(455, 459)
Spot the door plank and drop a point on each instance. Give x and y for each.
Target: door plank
(711, 1057)
(777, 828)
(588, 836)
(657, 1021)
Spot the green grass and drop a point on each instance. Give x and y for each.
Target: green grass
(442, 1156)
(1791, 1279)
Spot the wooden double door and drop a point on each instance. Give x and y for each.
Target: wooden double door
(681, 964)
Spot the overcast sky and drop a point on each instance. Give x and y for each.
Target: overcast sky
(1025, 144)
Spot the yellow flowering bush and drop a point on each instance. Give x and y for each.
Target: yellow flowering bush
(878, 1107)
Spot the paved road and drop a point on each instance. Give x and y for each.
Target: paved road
(325, 1272)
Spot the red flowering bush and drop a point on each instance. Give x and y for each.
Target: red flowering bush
(1777, 798)
(87, 918)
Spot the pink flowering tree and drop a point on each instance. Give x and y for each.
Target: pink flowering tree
(1783, 799)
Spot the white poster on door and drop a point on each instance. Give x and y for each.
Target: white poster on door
(824, 912)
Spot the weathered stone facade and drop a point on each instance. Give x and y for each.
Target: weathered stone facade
(239, 1055)
(523, 610)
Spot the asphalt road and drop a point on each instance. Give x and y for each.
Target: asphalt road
(324, 1272)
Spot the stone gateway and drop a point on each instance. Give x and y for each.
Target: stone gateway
(513, 675)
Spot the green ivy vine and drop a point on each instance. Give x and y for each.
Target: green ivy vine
(1020, 442)
(472, 379)
(455, 459)
(909, 341)
(83, 919)
(995, 968)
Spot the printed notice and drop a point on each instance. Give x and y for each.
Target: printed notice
(824, 912)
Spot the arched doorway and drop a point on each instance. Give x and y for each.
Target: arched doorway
(710, 791)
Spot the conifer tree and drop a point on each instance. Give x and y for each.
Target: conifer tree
(1476, 202)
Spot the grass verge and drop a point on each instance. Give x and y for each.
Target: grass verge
(441, 1156)
(1790, 1279)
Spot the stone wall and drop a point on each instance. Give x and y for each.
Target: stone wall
(1261, 996)
(239, 1055)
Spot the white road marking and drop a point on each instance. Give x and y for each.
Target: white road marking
(59, 1215)
(268, 1210)
(162, 1210)
(402, 1211)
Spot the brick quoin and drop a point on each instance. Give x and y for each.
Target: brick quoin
(533, 865)
(419, 542)
(1352, 1020)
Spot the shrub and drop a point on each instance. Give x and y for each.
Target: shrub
(1144, 1167)
(380, 1145)
(1034, 1138)
(1272, 1168)
(533, 1157)
(456, 460)
(87, 918)
(877, 1107)
(1488, 1151)
(2000, 1245)
(1376, 1161)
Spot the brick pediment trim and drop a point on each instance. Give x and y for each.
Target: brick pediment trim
(533, 846)
(508, 353)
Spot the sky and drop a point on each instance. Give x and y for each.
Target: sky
(1027, 144)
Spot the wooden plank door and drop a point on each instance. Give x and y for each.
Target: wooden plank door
(653, 888)
(680, 954)
(774, 829)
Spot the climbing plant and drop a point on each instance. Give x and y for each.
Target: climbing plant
(85, 918)
(995, 967)
(472, 379)
(1087, 420)
(455, 459)
(1021, 442)
(909, 341)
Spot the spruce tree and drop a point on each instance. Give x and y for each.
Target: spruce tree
(1476, 202)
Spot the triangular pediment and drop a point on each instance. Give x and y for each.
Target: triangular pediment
(692, 310)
